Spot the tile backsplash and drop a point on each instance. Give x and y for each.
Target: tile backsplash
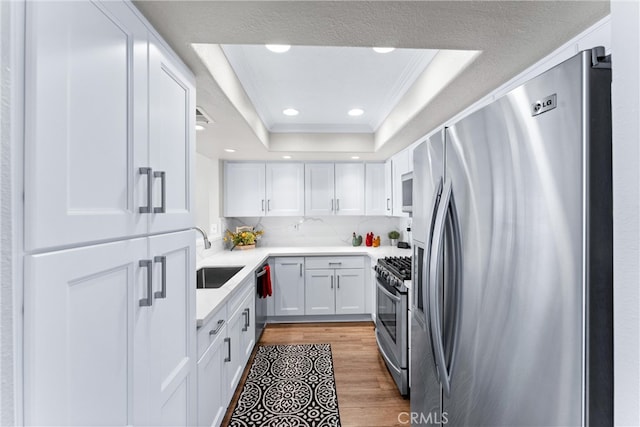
(319, 231)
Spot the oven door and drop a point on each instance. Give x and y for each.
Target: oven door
(391, 326)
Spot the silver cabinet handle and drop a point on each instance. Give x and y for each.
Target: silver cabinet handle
(148, 172)
(338, 281)
(300, 269)
(162, 293)
(335, 263)
(290, 263)
(337, 204)
(228, 341)
(147, 263)
(261, 273)
(331, 282)
(331, 205)
(216, 330)
(245, 313)
(163, 192)
(269, 204)
(388, 200)
(262, 205)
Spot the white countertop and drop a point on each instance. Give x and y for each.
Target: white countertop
(208, 300)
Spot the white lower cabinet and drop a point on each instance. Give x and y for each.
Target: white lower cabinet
(332, 289)
(226, 342)
(213, 385)
(104, 345)
(289, 286)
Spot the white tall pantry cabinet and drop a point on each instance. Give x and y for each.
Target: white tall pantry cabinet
(109, 303)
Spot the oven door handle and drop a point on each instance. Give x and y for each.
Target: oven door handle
(388, 294)
(385, 357)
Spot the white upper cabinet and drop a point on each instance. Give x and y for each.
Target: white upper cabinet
(244, 189)
(334, 189)
(285, 189)
(400, 166)
(85, 74)
(171, 141)
(349, 188)
(101, 107)
(388, 188)
(375, 189)
(319, 189)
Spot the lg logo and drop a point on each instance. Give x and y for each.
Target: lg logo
(546, 104)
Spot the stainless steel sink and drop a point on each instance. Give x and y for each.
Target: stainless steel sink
(215, 277)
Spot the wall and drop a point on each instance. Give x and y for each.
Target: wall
(207, 195)
(317, 231)
(625, 17)
(11, 143)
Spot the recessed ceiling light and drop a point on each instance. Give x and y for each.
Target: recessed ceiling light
(290, 112)
(199, 127)
(286, 157)
(384, 49)
(356, 112)
(229, 150)
(278, 48)
(355, 157)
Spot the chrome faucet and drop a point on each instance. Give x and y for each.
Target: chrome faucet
(207, 243)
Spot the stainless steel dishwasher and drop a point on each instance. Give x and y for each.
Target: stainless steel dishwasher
(261, 302)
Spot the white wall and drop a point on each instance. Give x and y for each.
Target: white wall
(207, 195)
(625, 19)
(317, 231)
(11, 143)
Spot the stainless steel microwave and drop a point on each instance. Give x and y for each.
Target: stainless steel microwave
(407, 192)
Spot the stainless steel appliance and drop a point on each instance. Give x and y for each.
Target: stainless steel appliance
(512, 277)
(407, 192)
(261, 302)
(392, 317)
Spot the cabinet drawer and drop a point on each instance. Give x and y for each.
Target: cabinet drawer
(334, 262)
(207, 333)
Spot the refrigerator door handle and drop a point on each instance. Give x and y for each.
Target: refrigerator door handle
(425, 276)
(434, 297)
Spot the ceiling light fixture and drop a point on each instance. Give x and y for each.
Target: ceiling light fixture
(384, 49)
(286, 157)
(229, 150)
(355, 157)
(199, 127)
(355, 112)
(278, 48)
(290, 112)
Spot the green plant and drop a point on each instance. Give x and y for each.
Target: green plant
(394, 234)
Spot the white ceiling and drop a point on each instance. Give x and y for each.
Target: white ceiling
(324, 83)
(511, 35)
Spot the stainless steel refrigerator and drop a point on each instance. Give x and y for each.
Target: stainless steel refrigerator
(512, 232)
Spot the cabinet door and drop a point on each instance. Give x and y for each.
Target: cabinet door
(80, 310)
(350, 291)
(85, 80)
(388, 188)
(375, 192)
(289, 286)
(171, 141)
(248, 336)
(319, 292)
(244, 189)
(400, 166)
(319, 196)
(285, 189)
(349, 185)
(235, 364)
(213, 384)
(173, 340)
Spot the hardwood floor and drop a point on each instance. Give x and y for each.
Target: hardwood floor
(367, 395)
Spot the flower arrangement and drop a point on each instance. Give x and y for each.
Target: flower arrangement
(244, 236)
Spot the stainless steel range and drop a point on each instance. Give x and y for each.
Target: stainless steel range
(392, 317)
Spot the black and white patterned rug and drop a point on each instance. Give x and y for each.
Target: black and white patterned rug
(289, 386)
